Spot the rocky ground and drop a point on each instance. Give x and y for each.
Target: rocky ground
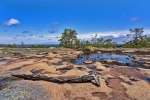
(116, 82)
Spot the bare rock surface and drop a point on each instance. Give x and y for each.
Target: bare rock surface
(22, 90)
(140, 90)
(116, 82)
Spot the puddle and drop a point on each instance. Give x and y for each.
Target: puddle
(18, 68)
(103, 56)
(92, 67)
(66, 68)
(81, 68)
(148, 79)
(57, 64)
(37, 71)
(37, 59)
(4, 60)
(3, 82)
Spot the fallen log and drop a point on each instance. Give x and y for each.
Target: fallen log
(80, 79)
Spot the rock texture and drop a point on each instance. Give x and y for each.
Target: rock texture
(116, 82)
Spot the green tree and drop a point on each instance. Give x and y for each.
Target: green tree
(78, 43)
(87, 43)
(94, 40)
(108, 43)
(100, 42)
(148, 41)
(114, 44)
(32, 46)
(138, 41)
(9, 46)
(137, 34)
(22, 45)
(68, 38)
(14, 45)
(42, 46)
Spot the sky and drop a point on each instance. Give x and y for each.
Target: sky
(43, 21)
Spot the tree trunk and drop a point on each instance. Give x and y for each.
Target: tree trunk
(80, 79)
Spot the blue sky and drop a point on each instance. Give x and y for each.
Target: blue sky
(43, 21)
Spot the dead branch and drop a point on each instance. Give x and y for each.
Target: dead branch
(80, 79)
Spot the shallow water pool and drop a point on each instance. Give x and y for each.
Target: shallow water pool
(102, 56)
(4, 60)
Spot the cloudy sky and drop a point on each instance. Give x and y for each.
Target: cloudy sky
(43, 21)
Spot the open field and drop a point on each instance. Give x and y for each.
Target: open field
(116, 82)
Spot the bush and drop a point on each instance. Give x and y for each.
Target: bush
(88, 49)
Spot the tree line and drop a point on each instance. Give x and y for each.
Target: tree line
(139, 40)
(23, 46)
(69, 40)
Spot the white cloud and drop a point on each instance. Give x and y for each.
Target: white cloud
(134, 18)
(11, 22)
(108, 33)
(118, 36)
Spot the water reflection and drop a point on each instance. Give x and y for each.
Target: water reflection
(92, 67)
(102, 56)
(148, 79)
(4, 60)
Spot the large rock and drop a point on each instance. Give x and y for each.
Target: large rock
(140, 90)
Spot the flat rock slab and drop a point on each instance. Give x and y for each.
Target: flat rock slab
(140, 90)
(22, 90)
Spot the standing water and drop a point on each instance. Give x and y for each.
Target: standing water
(102, 56)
